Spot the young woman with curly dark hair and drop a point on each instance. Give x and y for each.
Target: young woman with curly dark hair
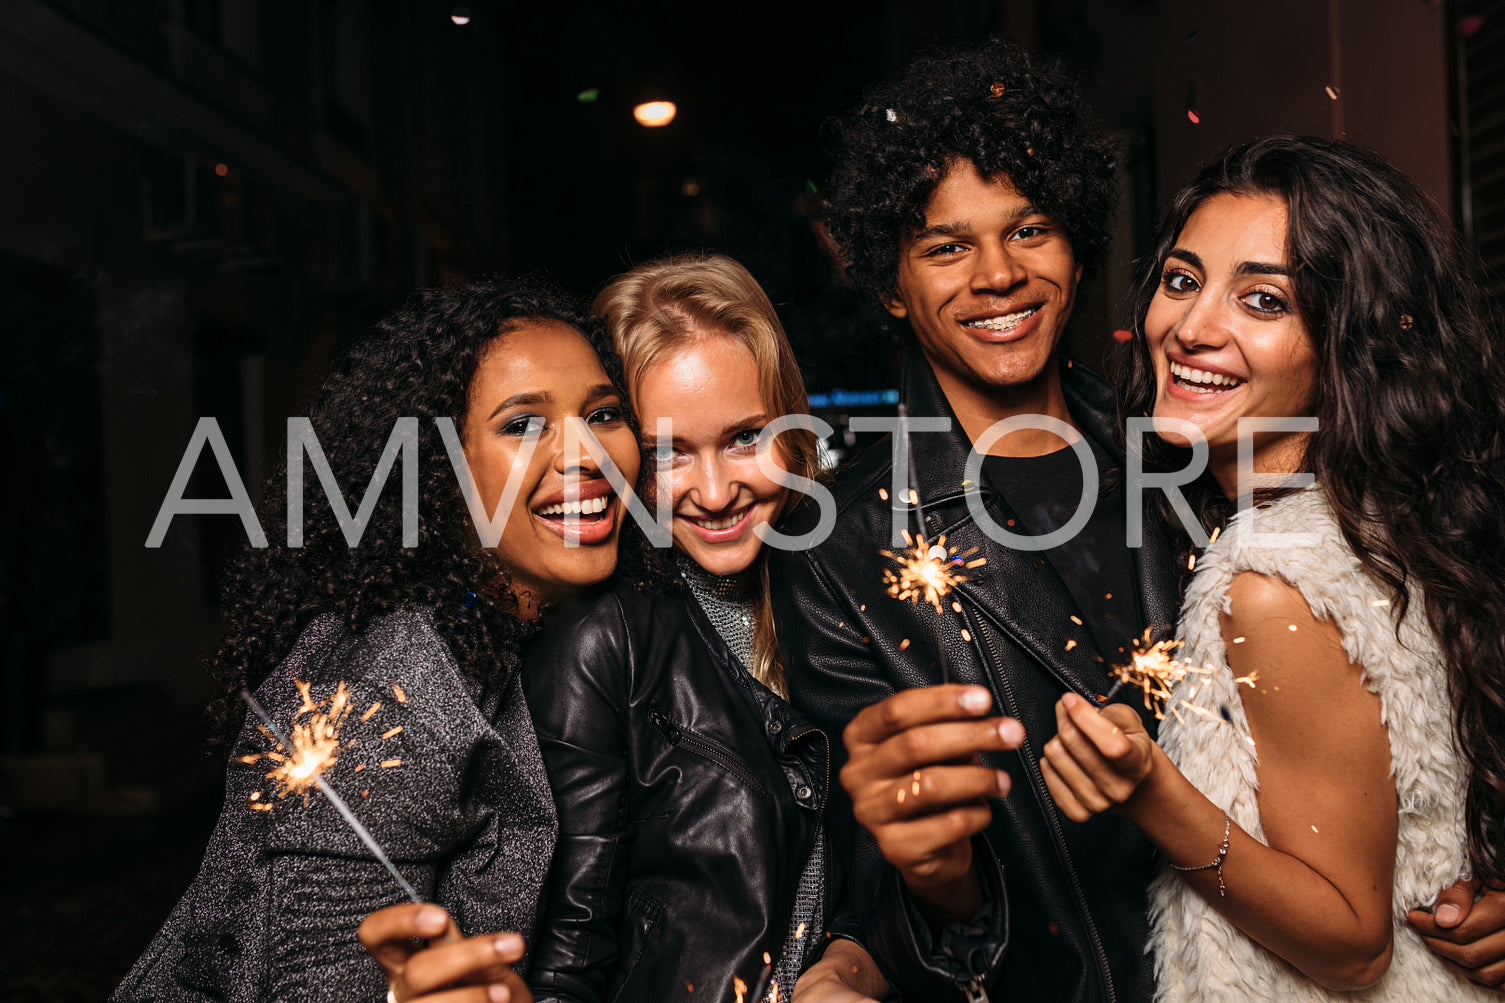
(1360, 766)
(410, 617)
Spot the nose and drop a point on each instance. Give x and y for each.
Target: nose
(576, 452)
(711, 486)
(995, 268)
(1203, 324)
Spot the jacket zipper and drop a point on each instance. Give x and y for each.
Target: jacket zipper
(1055, 823)
(702, 747)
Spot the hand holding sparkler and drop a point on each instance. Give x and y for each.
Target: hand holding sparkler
(1098, 758)
(481, 965)
(916, 785)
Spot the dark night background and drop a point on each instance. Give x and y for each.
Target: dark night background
(201, 200)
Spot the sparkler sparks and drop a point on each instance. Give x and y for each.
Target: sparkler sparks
(927, 573)
(1155, 673)
(315, 745)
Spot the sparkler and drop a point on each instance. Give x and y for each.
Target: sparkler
(926, 573)
(314, 748)
(1153, 672)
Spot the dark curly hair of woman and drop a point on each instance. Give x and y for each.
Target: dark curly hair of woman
(418, 362)
(1011, 114)
(1410, 402)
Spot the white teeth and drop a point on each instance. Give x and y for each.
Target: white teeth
(590, 506)
(714, 524)
(1189, 375)
(1007, 322)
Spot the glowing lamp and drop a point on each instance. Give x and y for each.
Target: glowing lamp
(655, 113)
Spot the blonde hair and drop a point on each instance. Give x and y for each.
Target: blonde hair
(663, 304)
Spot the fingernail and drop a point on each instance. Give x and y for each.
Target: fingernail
(508, 943)
(1011, 731)
(431, 918)
(498, 994)
(1005, 783)
(1447, 914)
(1070, 700)
(976, 700)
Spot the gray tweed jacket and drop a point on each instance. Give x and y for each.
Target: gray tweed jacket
(466, 815)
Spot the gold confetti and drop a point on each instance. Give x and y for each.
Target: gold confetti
(366, 793)
(1191, 562)
(1292, 627)
(1108, 596)
(883, 493)
(369, 711)
(966, 634)
(1380, 602)
(1214, 537)
(248, 759)
(1239, 640)
(359, 767)
(799, 931)
(1314, 829)
(914, 788)
(389, 763)
(1071, 644)
(399, 694)
(901, 795)
(261, 806)
(391, 731)
(1332, 92)
(956, 607)
(1076, 620)
(904, 644)
(256, 795)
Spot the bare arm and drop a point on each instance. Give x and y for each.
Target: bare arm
(1319, 893)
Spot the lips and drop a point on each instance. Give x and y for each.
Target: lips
(720, 529)
(1202, 381)
(1002, 323)
(582, 513)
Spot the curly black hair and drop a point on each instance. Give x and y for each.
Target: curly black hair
(1410, 450)
(418, 362)
(1013, 115)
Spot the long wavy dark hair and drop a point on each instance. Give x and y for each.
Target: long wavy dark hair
(1410, 399)
(418, 362)
(1011, 114)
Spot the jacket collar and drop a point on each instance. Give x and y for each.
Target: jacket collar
(1018, 590)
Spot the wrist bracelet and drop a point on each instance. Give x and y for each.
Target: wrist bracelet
(1217, 861)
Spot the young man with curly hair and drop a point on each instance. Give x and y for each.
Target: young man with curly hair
(970, 196)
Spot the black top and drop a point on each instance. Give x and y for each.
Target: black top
(1094, 564)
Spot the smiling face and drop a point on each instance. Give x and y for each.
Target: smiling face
(987, 285)
(708, 388)
(528, 382)
(1224, 335)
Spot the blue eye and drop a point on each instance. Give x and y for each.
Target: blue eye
(747, 438)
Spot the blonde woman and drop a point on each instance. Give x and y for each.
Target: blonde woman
(690, 794)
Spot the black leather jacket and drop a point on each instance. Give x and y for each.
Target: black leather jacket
(688, 797)
(1076, 894)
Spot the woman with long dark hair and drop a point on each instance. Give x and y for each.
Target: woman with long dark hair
(1335, 752)
(392, 638)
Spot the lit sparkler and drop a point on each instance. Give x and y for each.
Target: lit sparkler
(925, 573)
(314, 748)
(1153, 671)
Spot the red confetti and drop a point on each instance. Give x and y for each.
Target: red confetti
(1191, 114)
(1122, 335)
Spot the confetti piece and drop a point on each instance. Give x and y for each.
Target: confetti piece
(1380, 602)
(1191, 562)
(1314, 829)
(904, 644)
(1076, 620)
(369, 711)
(883, 493)
(914, 498)
(956, 607)
(689, 986)
(391, 731)
(388, 763)
(1213, 538)
(1123, 335)
(1108, 596)
(1291, 627)
(589, 95)
(892, 115)
(966, 634)
(799, 931)
(1239, 640)
(914, 788)
(397, 692)
(248, 759)
(1070, 644)
(366, 793)
(862, 608)
(359, 767)
(256, 795)
(261, 806)
(1193, 117)
(866, 639)
(997, 88)
(901, 795)
(1331, 92)
(460, 16)
(1029, 151)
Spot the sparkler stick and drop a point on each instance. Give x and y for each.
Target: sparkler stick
(334, 799)
(761, 986)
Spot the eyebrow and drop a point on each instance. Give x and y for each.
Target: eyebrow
(1242, 268)
(963, 226)
(752, 421)
(528, 397)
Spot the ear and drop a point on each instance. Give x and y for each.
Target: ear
(1078, 275)
(896, 307)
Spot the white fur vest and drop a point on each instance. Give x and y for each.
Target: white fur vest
(1198, 954)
